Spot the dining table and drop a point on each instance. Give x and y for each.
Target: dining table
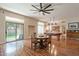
(58, 34)
(42, 40)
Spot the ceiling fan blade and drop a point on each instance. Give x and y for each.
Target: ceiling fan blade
(47, 6)
(49, 10)
(40, 5)
(43, 13)
(46, 12)
(35, 7)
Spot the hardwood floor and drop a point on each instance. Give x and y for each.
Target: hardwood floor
(67, 47)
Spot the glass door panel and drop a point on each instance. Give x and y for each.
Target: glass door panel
(11, 32)
(20, 32)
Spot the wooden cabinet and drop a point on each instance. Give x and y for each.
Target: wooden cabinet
(73, 34)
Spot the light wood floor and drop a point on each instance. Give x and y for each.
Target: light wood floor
(67, 47)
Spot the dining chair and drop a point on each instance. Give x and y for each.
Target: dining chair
(34, 41)
(49, 39)
(47, 42)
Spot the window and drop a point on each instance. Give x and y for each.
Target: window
(40, 27)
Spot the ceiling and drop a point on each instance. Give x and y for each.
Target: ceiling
(61, 10)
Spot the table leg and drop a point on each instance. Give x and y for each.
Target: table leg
(41, 44)
(58, 37)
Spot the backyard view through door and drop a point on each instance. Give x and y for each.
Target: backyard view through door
(14, 31)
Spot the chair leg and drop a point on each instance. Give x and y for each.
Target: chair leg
(31, 46)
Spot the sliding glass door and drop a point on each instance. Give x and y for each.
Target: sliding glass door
(20, 32)
(14, 31)
(10, 31)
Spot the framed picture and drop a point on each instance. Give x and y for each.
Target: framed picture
(73, 25)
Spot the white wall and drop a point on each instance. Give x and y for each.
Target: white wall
(27, 22)
(2, 27)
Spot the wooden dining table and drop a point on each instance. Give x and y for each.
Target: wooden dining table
(58, 34)
(42, 41)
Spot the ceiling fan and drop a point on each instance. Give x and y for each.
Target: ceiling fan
(43, 9)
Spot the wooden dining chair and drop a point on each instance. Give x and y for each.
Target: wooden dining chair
(47, 42)
(34, 41)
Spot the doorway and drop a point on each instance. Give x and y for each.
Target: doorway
(31, 30)
(14, 31)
